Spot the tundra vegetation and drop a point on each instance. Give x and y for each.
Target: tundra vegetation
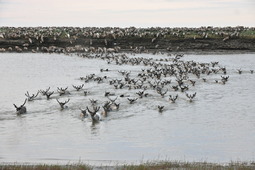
(114, 39)
(143, 166)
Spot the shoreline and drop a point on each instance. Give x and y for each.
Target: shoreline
(155, 165)
(137, 40)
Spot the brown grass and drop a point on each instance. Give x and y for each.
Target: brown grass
(163, 165)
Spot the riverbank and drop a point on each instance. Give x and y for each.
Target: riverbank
(99, 40)
(146, 166)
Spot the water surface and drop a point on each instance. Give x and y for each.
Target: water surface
(219, 126)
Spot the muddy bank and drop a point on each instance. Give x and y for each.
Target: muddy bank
(48, 39)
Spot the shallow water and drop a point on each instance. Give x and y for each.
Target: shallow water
(219, 126)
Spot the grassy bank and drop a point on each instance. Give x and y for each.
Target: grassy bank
(145, 166)
(74, 39)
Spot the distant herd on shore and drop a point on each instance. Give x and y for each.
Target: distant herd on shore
(115, 39)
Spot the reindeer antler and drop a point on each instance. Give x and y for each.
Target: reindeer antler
(44, 92)
(24, 103)
(112, 100)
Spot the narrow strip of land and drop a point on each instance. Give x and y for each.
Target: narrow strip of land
(108, 39)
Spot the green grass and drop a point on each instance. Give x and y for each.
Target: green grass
(248, 34)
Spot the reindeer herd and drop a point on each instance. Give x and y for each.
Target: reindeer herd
(168, 80)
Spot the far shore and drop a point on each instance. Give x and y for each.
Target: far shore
(137, 40)
(174, 165)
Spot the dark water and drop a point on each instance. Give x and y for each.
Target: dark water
(219, 126)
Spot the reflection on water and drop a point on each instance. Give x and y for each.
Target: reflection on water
(218, 126)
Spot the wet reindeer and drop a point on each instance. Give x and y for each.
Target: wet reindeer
(191, 96)
(95, 116)
(63, 91)
(21, 109)
(84, 113)
(160, 108)
(31, 97)
(62, 104)
(79, 87)
(224, 79)
(48, 94)
(131, 101)
(43, 92)
(173, 98)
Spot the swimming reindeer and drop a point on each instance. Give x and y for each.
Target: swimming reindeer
(22, 109)
(95, 116)
(191, 96)
(224, 79)
(63, 91)
(131, 101)
(84, 113)
(48, 94)
(140, 94)
(112, 100)
(31, 97)
(79, 87)
(160, 108)
(43, 92)
(173, 98)
(62, 104)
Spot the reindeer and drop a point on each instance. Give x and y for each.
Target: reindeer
(62, 104)
(22, 109)
(95, 117)
(191, 96)
(192, 82)
(176, 88)
(159, 91)
(31, 98)
(84, 113)
(43, 92)
(93, 102)
(79, 87)
(239, 71)
(173, 98)
(106, 108)
(131, 101)
(214, 63)
(160, 108)
(48, 94)
(112, 100)
(224, 79)
(106, 94)
(63, 91)
(85, 93)
(251, 71)
(140, 94)
(184, 88)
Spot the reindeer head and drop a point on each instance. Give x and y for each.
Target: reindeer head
(160, 108)
(131, 101)
(62, 91)
(94, 116)
(31, 97)
(79, 87)
(191, 96)
(44, 91)
(62, 104)
(173, 98)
